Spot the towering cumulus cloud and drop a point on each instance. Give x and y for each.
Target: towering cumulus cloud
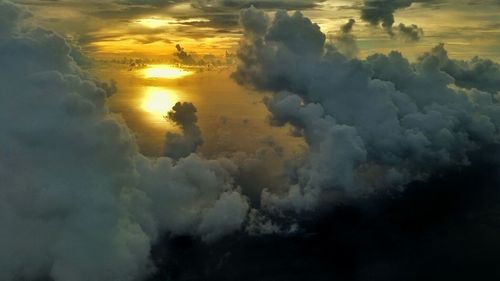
(368, 124)
(179, 146)
(77, 200)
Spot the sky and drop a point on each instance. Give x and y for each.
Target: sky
(148, 140)
(153, 28)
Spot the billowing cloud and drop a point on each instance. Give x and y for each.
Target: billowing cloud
(179, 146)
(381, 12)
(477, 73)
(77, 199)
(368, 124)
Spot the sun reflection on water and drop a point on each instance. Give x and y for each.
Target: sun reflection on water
(153, 22)
(159, 101)
(165, 72)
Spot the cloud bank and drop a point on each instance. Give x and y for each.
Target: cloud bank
(374, 123)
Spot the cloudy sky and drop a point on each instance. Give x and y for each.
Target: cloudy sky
(152, 28)
(148, 140)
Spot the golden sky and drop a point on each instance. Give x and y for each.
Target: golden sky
(207, 32)
(152, 28)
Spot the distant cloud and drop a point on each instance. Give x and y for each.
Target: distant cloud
(180, 146)
(156, 3)
(345, 41)
(261, 4)
(381, 12)
(183, 56)
(410, 33)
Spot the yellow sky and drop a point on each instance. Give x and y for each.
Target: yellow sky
(113, 29)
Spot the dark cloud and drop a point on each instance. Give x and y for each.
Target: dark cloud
(9, 14)
(211, 5)
(183, 56)
(478, 73)
(410, 33)
(344, 41)
(180, 146)
(381, 12)
(296, 32)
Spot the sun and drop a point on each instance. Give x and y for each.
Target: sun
(159, 101)
(165, 72)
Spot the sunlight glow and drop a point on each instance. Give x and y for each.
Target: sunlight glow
(153, 23)
(166, 72)
(159, 101)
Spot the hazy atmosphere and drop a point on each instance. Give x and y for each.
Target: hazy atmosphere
(155, 140)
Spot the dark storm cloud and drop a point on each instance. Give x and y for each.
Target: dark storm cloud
(180, 146)
(77, 200)
(368, 124)
(381, 12)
